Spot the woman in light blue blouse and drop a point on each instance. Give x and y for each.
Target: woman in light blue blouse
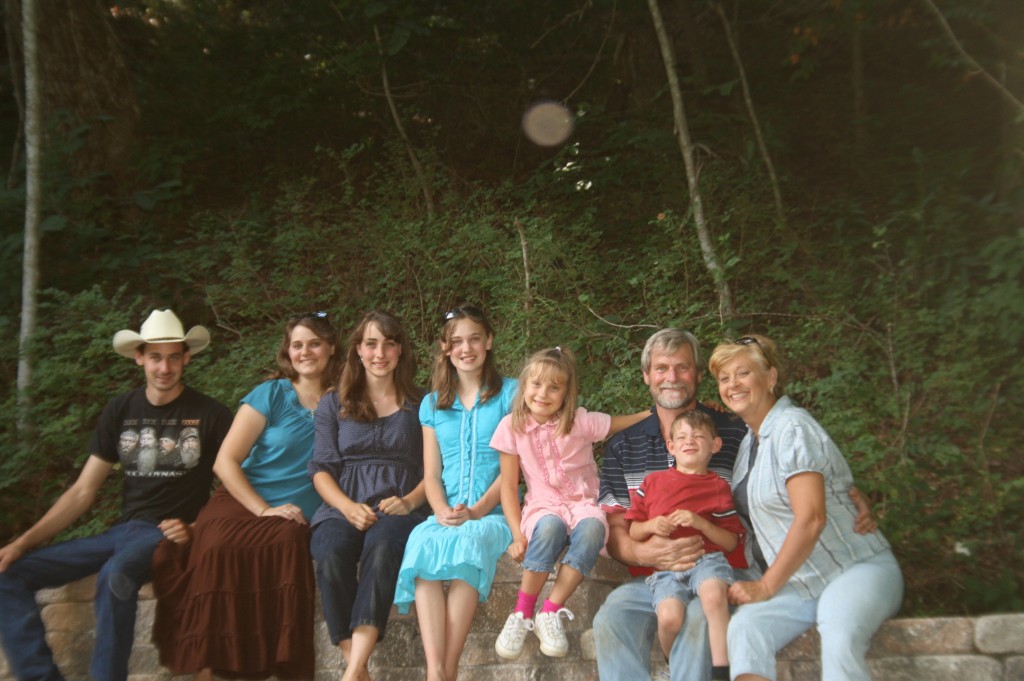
(791, 486)
(259, 621)
(368, 467)
(467, 534)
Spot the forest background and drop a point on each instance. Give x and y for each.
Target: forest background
(858, 165)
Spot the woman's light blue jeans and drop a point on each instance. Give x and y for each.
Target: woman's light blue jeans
(847, 614)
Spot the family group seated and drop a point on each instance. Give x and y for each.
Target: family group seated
(741, 529)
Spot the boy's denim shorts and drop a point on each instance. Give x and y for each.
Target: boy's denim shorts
(684, 586)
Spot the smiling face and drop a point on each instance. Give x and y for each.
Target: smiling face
(164, 364)
(378, 354)
(745, 386)
(544, 394)
(467, 346)
(308, 353)
(692, 447)
(673, 378)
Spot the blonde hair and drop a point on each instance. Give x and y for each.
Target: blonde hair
(759, 348)
(550, 363)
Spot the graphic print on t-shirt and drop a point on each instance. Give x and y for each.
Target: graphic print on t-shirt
(159, 448)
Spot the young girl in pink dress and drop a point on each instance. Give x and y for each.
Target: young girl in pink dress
(550, 440)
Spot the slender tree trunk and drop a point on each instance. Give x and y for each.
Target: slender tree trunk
(421, 176)
(682, 130)
(755, 123)
(33, 199)
(976, 68)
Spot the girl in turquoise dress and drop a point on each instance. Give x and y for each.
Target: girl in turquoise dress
(462, 541)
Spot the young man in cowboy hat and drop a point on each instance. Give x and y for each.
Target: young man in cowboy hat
(161, 496)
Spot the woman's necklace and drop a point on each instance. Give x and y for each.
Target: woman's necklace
(308, 397)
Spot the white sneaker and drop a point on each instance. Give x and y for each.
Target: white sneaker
(510, 641)
(551, 634)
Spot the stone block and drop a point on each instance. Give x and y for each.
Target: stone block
(1013, 668)
(807, 646)
(144, 620)
(145, 659)
(72, 651)
(936, 668)
(587, 649)
(1000, 634)
(924, 636)
(81, 591)
(803, 670)
(73, 617)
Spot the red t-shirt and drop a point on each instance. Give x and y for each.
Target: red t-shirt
(707, 495)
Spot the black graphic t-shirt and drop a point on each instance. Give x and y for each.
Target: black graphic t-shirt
(166, 452)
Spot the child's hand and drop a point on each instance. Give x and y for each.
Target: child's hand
(456, 515)
(681, 518)
(663, 526)
(517, 549)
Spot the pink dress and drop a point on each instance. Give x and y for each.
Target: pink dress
(560, 472)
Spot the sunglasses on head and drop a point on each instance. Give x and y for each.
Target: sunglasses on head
(451, 314)
(308, 315)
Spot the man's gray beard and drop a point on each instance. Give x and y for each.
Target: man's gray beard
(681, 403)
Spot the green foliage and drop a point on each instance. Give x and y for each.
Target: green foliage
(271, 180)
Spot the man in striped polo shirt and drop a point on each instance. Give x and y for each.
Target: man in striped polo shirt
(625, 626)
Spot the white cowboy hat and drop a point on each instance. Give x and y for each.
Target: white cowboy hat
(162, 326)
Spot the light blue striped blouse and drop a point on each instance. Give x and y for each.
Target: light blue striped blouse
(792, 442)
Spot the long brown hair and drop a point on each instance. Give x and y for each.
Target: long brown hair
(355, 401)
(320, 325)
(443, 377)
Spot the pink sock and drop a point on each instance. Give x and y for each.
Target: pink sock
(525, 604)
(548, 606)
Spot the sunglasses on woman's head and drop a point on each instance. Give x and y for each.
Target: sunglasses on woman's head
(308, 315)
(465, 309)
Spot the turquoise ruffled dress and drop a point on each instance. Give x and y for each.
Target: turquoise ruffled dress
(469, 466)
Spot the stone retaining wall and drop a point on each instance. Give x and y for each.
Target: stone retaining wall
(940, 649)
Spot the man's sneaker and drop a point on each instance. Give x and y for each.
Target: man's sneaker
(549, 630)
(510, 641)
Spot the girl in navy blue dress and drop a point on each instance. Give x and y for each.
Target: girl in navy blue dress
(368, 467)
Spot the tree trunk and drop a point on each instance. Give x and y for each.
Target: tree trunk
(682, 130)
(33, 200)
(754, 121)
(421, 176)
(82, 70)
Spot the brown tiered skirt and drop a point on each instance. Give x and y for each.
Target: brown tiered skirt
(239, 598)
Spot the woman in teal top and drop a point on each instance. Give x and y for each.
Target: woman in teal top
(467, 534)
(276, 465)
(255, 529)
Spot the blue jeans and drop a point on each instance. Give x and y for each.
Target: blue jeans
(121, 555)
(625, 628)
(357, 571)
(848, 613)
(550, 535)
